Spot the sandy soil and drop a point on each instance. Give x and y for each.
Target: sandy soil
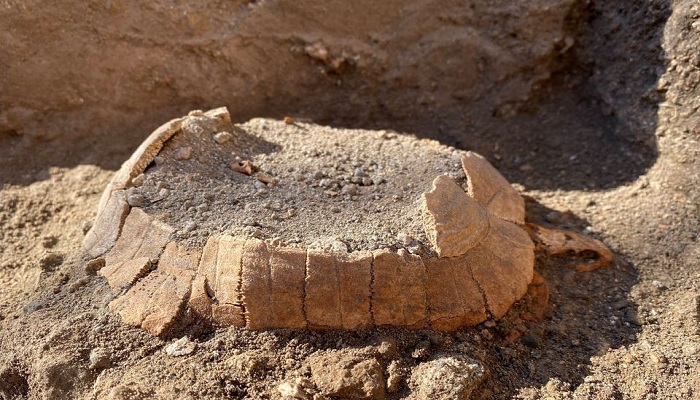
(591, 108)
(367, 182)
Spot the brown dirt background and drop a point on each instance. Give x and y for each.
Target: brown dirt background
(592, 107)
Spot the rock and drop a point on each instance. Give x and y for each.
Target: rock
(181, 347)
(295, 390)
(34, 305)
(78, 284)
(378, 180)
(266, 179)
(397, 374)
(183, 153)
(350, 190)
(99, 358)
(359, 173)
(50, 260)
(49, 241)
(422, 350)
(346, 375)
(260, 185)
(247, 363)
(530, 340)
(139, 180)
(94, 265)
(136, 200)
(222, 137)
(388, 348)
(452, 376)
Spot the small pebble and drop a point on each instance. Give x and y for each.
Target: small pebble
(94, 265)
(222, 137)
(658, 285)
(350, 190)
(253, 232)
(78, 284)
(359, 173)
(396, 375)
(378, 180)
(181, 347)
(49, 261)
(530, 340)
(136, 200)
(189, 227)
(267, 179)
(139, 180)
(85, 226)
(260, 185)
(99, 358)
(289, 390)
(422, 350)
(33, 306)
(299, 177)
(183, 153)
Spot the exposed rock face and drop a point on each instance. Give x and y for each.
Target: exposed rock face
(481, 259)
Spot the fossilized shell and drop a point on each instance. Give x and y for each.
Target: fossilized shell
(483, 265)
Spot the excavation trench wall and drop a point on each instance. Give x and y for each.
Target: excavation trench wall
(83, 81)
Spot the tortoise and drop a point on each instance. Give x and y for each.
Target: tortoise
(467, 257)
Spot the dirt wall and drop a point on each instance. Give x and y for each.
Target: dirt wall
(104, 73)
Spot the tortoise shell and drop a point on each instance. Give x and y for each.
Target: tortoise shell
(472, 260)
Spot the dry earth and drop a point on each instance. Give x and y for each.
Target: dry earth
(592, 108)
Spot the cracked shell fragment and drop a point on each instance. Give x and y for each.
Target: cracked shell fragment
(214, 247)
(498, 254)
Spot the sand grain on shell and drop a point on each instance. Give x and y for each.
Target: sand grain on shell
(314, 186)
